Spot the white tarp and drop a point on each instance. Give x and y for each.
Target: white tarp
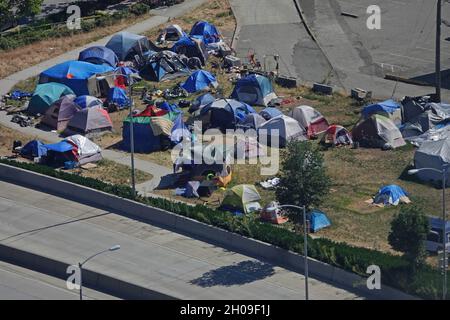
(432, 154)
(85, 146)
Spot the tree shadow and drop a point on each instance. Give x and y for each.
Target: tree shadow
(236, 274)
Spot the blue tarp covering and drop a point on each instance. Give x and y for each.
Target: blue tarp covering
(74, 74)
(198, 81)
(206, 31)
(19, 94)
(34, 149)
(99, 55)
(388, 106)
(318, 220)
(179, 130)
(169, 107)
(270, 112)
(118, 96)
(62, 146)
(390, 194)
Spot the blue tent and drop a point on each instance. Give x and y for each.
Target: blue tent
(201, 101)
(88, 102)
(390, 195)
(206, 31)
(199, 80)
(33, 149)
(318, 220)
(226, 113)
(99, 55)
(191, 48)
(388, 106)
(169, 107)
(126, 71)
(126, 44)
(74, 74)
(119, 97)
(254, 89)
(270, 112)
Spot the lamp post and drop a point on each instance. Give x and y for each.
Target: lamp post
(305, 241)
(80, 265)
(438, 50)
(443, 172)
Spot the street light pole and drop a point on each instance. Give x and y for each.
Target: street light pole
(80, 265)
(133, 180)
(438, 50)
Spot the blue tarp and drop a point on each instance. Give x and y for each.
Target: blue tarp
(19, 94)
(34, 149)
(390, 194)
(74, 74)
(99, 55)
(118, 96)
(270, 112)
(198, 81)
(318, 220)
(60, 147)
(388, 106)
(206, 31)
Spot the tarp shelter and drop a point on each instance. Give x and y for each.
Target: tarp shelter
(310, 119)
(205, 31)
(60, 153)
(33, 149)
(172, 33)
(164, 65)
(179, 130)
(317, 220)
(253, 121)
(45, 95)
(90, 120)
(99, 55)
(79, 76)
(126, 45)
(86, 101)
(391, 195)
(152, 129)
(191, 48)
(60, 112)
(242, 198)
(192, 189)
(224, 114)
(201, 101)
(412, 107)
(119, 97)
(283, 128)
(337, 136)
(379, 132)
(200, 80)
(86, 150)
(270, 112)
(432, 154)
(254, 89)
(389, 108)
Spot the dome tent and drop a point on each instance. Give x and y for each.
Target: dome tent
(310, 119)
(86, 101)
(200, 80)
(45, 95)
(125, 45)
(191, 48)
(317, 220)
(172, 33)
(270, 112)
(283, 127)
(337, 136)
(90, 120)
(254, 90)
(391, 195)
(205, 31)
(99, 55)
(60, 112)
(433, 154)
(224, 114)
(242, 198)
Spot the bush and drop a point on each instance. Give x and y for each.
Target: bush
(354, 259)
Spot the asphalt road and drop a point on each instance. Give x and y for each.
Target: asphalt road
(164, 261)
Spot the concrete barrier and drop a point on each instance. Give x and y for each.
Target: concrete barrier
(193, 228)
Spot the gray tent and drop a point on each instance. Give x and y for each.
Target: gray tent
(432, 154)
(125, 45)
(89, 120)
(60, 112)
(253, 120)
(286, 128)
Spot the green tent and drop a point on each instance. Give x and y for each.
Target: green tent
(45, 95)
(243, 198)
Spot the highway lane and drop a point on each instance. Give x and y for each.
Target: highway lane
(161, 260)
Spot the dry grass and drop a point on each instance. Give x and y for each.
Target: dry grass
(21, 58)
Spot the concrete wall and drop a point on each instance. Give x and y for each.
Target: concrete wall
(196, 229)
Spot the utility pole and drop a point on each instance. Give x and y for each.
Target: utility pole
(438, 50)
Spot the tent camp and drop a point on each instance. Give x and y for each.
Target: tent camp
(89, 121)
(191, 47)
(60, 112)
(99, 55)
(171, 33)
(77, 75)
(86, 150)
(336, 136)
(389, 108)
(126, 45)
(254, 90)
(432, 154)
(317, 220)
(45, 95)
(310, 119)
(253, 121)
(224, 114)
(164, 65)
(152, 129)
(241, 199)
(391, 195)
(200, 80)
(379, 132)
(205, 31)
(283, 128)
(270, 112)
(88, 102)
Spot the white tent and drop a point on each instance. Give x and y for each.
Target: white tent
(285, 127)
(310, 119)
(171, 33)
(432, 154)
(88, 151)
